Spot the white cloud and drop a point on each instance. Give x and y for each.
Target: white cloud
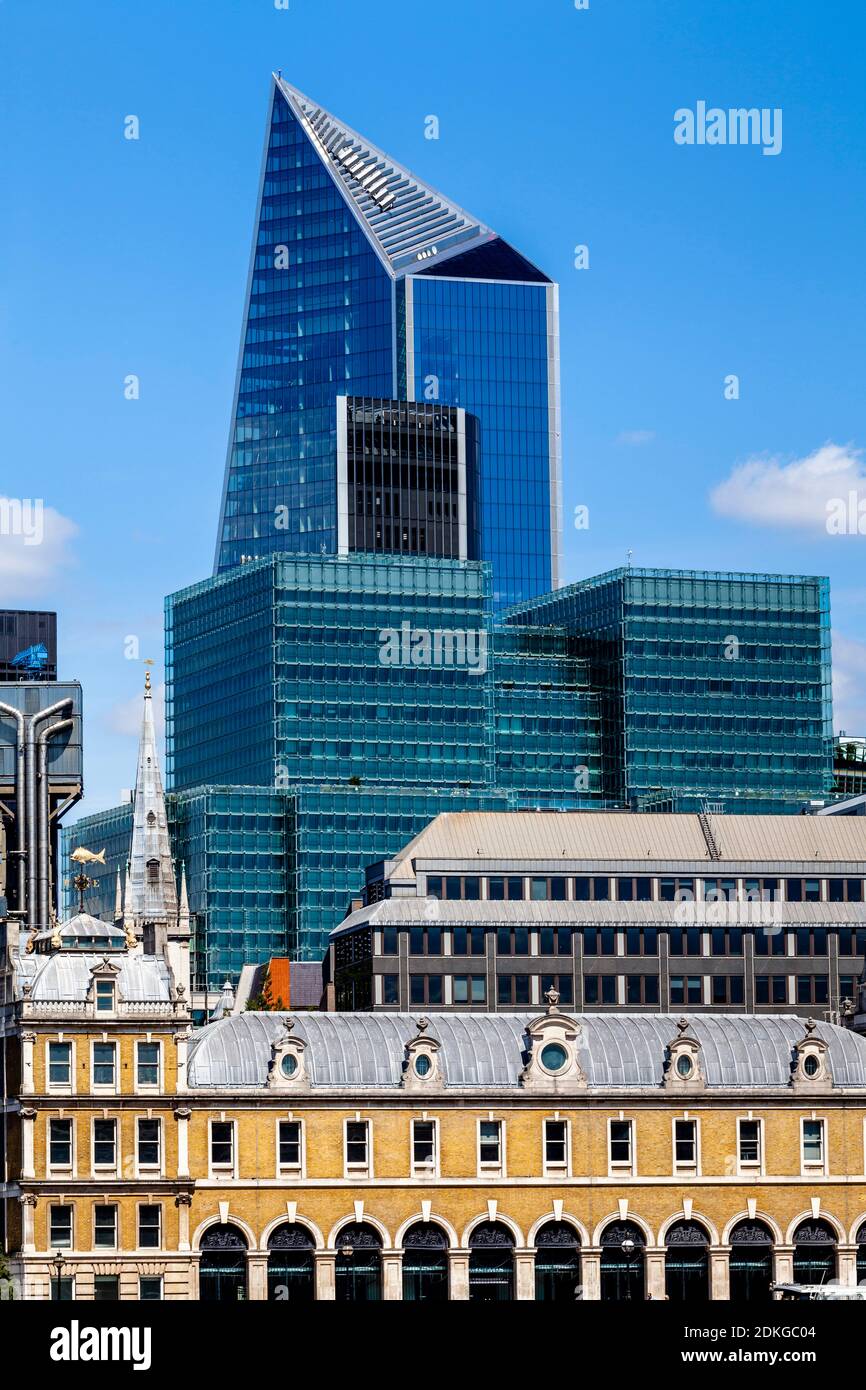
(636, 437)
(768, 492)
(125, 717)
(849, 685)
(34, 546)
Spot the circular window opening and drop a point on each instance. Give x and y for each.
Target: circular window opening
(811, 1065)
(423, 1065)
(289, 1065)
(554, 1057)
(685, 1065)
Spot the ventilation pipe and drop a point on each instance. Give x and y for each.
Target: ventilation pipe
(44, 818)
(20, 812)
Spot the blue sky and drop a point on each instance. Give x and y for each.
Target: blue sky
(556, 128)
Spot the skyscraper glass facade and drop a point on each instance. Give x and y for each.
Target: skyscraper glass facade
(366, 283)
(713, 686)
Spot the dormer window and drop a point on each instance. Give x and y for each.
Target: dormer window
(683, 1070)
(553, 1041)
(810, 1069)
(104, 996)
(421, 1063)
(288, 1065)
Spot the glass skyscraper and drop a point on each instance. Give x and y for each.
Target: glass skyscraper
(714, 686)
(365, 282)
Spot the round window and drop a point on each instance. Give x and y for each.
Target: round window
(289, 1064)
(423, 1065)
(554, 1057)
(811, 1065)
(685, 1066)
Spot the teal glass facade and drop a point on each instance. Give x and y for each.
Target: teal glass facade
(337, 304)
(713, 686)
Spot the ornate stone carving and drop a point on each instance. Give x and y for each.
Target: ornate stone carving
(810, 1062)
(360, 1236)
(290, 1237)
(183, 1199)
(558, 1234)
(421, 1064)
(683, 1070)
(552, 1064)
(814, 1233)
(224, 1238)
(425, 1235)
(491, 1235)
(687, 1233)
(620, 1231)
(751, 1233)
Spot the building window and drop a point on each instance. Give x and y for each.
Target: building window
(634, 890)
(425, 941)
(556, 1147)
(470, 989)
(599, 941)
(149, 1144)
(390, 942)
(358, 1148)
(687, 989)
(770, 941)
(60, 1228)
(424, 1154)
(289, 1139)
(60, 1143)
(512, 941)
(686, 941)
(749, 1147)
(728, 989)
(505, 889)
(677, 890)
(390, 989)
(686, 1146)
(813, 989)
(468, 941)
(641, 989)
(222, 1145)
(149, 1227)
(150, 1288)
(720, 890)
(596, 890)
(104, 996)
(425, 989)
(771, 989)
(813, 1146)
(104, 1066)
(563, 984)
(641, 941)
(106, 1288)
(810, 941)
(599, 989)
(547, 890)
(513, 989)
(105, 1143)
(105, 1228)
(59, 1065)
(620, 1143)
(556, 941)
(490, 1146)
(726, 941)
(852, 941)
(62, 1290)
(147, 1064)
(803, 890)
(845, 890)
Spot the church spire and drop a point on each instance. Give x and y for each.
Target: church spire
(152, 898)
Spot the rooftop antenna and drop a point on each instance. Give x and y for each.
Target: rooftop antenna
(628, 555)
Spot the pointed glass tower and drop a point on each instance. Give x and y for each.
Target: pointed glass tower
(366, 282)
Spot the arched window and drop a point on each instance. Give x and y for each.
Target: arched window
(425, 1264)
(491, 1263)
(687, 1263)
(814, 1253)
(222, 1275)
(557, 1263)
(623, 1274)
(861, 1254)
(359, 1264)
(291, 1267)
(751, 1264)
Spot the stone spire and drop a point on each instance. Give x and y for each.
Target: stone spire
(118, 898)
(153, 892)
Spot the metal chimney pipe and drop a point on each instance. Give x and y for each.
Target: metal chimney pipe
(44, 836)
(20, 811)
(30, 791)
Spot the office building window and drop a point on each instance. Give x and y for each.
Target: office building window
(556, 1146)
(599, 941)
(687, 989)
(634, 890)
(105, 1227)
(726, 941)
(390, 941)
(562, 983)
(468, 941)
(852, 941)
(425, 941)
(149, 1227)
(771, 989)
(425, 989)
(390, 989)
(770, 941)
(845, 890)
(686, 941)
(599, 989)
(813, 989)
(469, 989)
(512, 941)
(547, 890)
(728, 989)
(507, 889)
(596, 890)
(59, 1064)
(641, 941)
(357, 1147)
(641, 989)
(803, 890)
(513, 989)
(677, 890)
(556, 941)
(424, 1157)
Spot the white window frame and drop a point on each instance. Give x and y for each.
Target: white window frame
(145, 1086)
(618, 1167)
(742, 1165)
(423, 1170)
(70, 1167)
(101, 1088)
(556, 1169)
(138, 1210)
(222, 1170)
(358, 1170)
(62, 1206)
(149, 1168)
(678, 1167)
(60, 1088)
(112, 984)
(104, 1168)
(491, 1169)
(811, 1167)
(299, 1169)
(114, 1206)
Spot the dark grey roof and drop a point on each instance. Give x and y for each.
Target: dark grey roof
(345, 1051)
(84, 927)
